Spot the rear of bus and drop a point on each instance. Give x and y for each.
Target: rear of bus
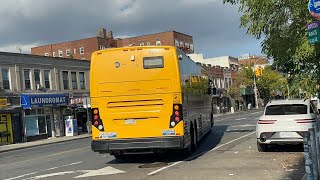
(136, 100)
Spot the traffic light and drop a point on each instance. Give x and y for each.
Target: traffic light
(258, 72)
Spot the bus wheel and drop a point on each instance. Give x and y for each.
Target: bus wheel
(194, 138)
(119, 156)
(211, 120)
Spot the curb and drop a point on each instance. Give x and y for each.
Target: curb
(37, 145)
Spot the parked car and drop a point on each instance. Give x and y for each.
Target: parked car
(285, 122)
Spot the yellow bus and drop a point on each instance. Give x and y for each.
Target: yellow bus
(147, 99)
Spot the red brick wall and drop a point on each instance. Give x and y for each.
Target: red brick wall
(90, 45)
(166, 39)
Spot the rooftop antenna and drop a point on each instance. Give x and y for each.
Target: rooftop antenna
(19, 49)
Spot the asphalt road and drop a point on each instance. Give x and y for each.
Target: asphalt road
(228, 152)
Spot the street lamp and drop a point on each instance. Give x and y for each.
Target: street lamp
(255, 85)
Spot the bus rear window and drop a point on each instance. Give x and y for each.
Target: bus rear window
(287, 109)
(153, 62)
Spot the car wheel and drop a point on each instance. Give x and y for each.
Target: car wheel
(262, 147)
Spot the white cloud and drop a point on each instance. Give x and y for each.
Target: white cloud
(16, 48)
(211, 23)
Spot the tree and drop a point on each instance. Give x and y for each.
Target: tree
(282, 25)
(243, 79)
(270, 82)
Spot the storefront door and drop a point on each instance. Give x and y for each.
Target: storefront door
(17, 127)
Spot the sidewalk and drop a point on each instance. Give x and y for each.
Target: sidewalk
(11, 147)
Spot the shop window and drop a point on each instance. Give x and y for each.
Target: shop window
(65, 77)
(176, 43)
(6, 78)
(46, 54)
(82, 80)
(31, 126)
(74, 80)
(42, 125)
(27, 82)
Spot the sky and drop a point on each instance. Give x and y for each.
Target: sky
(213, 25)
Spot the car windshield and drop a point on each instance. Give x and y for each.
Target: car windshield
(287, 109)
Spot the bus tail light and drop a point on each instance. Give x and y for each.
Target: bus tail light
(176, 116)
(96, 120)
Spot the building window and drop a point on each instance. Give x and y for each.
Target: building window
(65, 78)
(81, 50)
(46, 54)
(158, 43)
(181, 44)
(187, 45)
(27, 82)
(141, 44)
(74, 51)
(74, 80)
(148, 43)
(47, 79)
(37, 80)
(101, 47)
(6, 78)
(83, 58)
(54, 54)
(68, 52)
(60, 53)
(191, 46)
(82, 80)
(176, 43)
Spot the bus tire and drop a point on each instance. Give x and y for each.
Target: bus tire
(211, 119)
(119, 156)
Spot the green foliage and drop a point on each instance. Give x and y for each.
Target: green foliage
(282, 25)
(270, 82)
(198, 86)
(243, 79)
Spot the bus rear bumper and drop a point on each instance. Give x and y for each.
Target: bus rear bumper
(108, 146)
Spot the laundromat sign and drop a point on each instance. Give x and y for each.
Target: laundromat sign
(43, 100)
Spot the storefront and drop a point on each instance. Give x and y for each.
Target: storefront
(43, 115)
(10, 121)
(79, 112)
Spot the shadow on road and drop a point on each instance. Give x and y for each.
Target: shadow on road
(207, 143)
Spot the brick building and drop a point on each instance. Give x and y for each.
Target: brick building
(83, 48)
(257, 61)
(170, 38)
(77, 49)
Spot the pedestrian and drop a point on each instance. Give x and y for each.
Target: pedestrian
(89, 124)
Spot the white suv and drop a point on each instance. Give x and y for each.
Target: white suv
(285, 122)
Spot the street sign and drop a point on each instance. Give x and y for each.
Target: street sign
(313, 32)
(314, 8)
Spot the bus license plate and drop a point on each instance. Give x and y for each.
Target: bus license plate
(130, 121)
(285, 134)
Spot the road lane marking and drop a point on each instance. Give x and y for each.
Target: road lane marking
(244, 125)
(28, 174)
(256, 112)
(45, 156)
(240, 119)
(197, 155)
(101, 172)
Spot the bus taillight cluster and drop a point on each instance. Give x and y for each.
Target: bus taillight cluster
(176, 116)
(96, 121)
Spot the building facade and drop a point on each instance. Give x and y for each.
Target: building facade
(170, 38)
(256, 61)
(37, 93)
(77, 49)
(82, 49)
